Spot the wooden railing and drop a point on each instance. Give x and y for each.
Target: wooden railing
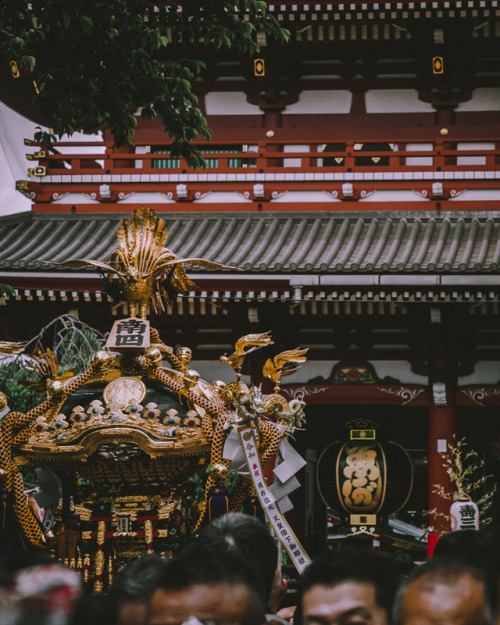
(292, 6)
(429, 155)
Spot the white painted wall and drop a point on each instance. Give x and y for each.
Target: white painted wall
(229, 103)
(311, 197)
(473, 160)
(395, 101)
(478, 195)
(418, 161)
(484, 373)
(317, 102)
(223, 197)
(399, 370)
(483, 99)
(397, 195)
(294, 162)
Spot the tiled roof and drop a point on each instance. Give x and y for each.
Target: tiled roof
(319, 242)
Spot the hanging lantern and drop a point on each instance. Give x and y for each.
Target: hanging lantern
(363, 478)
(464, 515)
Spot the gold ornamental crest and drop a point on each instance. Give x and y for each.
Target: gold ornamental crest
(122, 392)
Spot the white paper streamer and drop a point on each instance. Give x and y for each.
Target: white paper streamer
(279, 524)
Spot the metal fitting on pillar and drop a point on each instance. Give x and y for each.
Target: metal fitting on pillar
(437, 189)
(439, 394)
(259, 191)
(347, 190)
(105, 191)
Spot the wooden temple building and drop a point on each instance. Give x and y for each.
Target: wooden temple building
(355, 181)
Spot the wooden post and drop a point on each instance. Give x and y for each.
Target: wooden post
(442, 428)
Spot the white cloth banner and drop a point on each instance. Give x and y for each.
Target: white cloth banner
(279, 524)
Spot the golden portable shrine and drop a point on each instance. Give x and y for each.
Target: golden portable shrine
(124, 435)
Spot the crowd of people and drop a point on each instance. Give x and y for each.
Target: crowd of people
(231, 575)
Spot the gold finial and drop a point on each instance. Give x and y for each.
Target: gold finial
(278, 367)
(253, 342)
(142, 269)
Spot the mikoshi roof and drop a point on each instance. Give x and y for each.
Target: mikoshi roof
(316, 242)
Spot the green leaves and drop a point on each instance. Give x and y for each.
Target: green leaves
(6, 289)
(73, 341)
(21, 398)
(99, 61)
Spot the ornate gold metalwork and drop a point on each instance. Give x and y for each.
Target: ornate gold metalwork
(86, 567)
(83, 512)
(148, 535)
(142, 268)
(121, 392)
(165, 511)
(250, 341)
(119, 437)
(101, 533)
(280, 365)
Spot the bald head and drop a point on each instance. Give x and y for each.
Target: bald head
(447, 594)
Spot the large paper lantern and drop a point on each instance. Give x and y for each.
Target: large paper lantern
(364, 479)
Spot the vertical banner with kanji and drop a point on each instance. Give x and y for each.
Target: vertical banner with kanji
(278, 522)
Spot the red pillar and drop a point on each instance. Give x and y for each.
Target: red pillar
(442, 427)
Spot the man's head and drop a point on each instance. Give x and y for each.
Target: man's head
(36, 589)
(210, 585)
(133, 588)
(443, 592)
(249, 538)
(471, 546)
(350, 585)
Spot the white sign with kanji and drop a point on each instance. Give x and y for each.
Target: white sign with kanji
(279, 524)
(464, 515)
(129, 335)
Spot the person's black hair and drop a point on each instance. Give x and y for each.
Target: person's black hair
(351, 563)
(135, 583)
(95, 609)
(247, 537)
(439, 570)
(469, 545)
(201, 564)
(403, 562)
(138, 579)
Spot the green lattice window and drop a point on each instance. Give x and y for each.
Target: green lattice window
(212, 163)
